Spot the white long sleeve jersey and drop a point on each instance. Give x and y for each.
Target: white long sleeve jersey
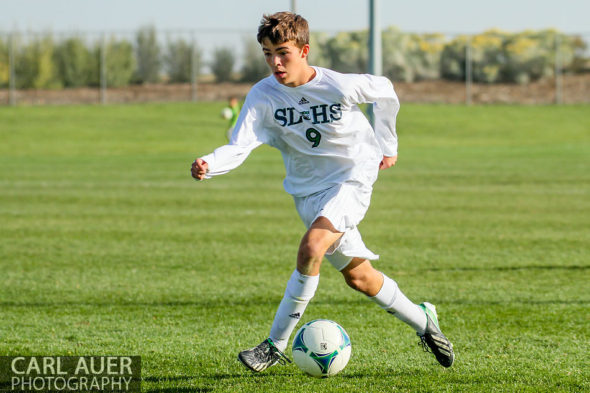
(322, 134)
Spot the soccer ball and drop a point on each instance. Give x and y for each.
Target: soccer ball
(321, 348)
(226, 113)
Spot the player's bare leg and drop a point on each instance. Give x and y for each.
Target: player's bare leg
(314, 244)
(300, 290)
(361, 276)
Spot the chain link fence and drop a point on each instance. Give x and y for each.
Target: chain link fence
(188, 65)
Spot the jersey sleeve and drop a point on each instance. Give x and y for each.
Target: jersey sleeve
(379, 91)
(248, 134)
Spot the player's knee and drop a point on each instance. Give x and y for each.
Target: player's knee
(359, 281)
(309, 259)
(309, 250)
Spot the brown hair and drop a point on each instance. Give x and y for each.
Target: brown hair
(282, 27)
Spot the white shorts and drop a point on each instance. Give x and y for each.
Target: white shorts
(345, 205)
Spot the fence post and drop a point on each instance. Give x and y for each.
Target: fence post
(193, 67)
(375, 47)
(468, 71)
(103, 69)
(11, 75)
(557, 71)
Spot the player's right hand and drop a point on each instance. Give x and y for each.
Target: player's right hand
(199, 169)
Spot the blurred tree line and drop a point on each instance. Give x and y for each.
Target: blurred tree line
(496, 56)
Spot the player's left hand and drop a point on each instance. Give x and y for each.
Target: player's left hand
(387, 162)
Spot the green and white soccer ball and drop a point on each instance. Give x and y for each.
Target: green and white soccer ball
(321, 348)
(226, 113)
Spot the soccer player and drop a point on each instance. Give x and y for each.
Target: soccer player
(332, 156)
(234, 106)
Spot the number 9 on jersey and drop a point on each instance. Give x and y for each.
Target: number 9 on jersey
(313, 136)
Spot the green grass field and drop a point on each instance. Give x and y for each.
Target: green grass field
(108, 247)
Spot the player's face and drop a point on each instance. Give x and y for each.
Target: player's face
(287, 62)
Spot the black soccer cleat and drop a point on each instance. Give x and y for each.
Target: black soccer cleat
(433, 340)
(262, 356)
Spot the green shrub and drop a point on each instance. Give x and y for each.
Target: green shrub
(504, 57)
(73, 61)
(255, 67)
(452, 59)
(119, 63)
(581, 61)
(347, 52)
(149, 63)
(317, 54)
(406, 57)
(411, 57)
(486, 57)
(222, 65)
(4, 65)
(34, 66)
(179, 59)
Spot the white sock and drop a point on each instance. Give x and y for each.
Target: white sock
(392, 300)
(300, 290)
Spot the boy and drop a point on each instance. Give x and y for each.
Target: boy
(332, 156)
(234, 106)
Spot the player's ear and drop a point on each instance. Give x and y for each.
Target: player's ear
(305, 50)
